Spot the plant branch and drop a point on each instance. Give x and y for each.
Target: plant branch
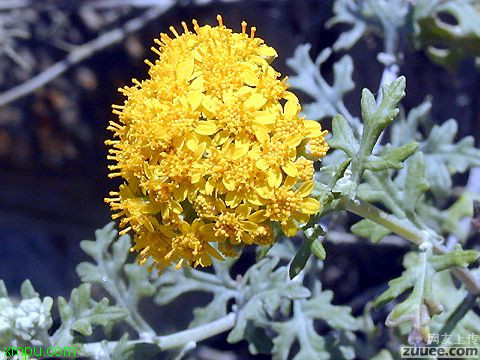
(83, 52)
(411, 233)
(108, 4)
(14, 4)
(172, 341)
(371, 212)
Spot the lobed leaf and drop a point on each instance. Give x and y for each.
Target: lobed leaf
(328, 99)
(80, 313)
(421, 303)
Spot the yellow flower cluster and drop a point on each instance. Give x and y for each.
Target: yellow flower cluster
(212, 149)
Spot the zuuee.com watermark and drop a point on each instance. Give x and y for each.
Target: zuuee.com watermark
(445, 346)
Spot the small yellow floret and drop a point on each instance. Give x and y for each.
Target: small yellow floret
(212, 149)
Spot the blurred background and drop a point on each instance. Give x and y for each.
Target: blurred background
(61, 63)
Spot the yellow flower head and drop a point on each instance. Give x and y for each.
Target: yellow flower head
(212, 149)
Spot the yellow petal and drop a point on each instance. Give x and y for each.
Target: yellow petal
(245, 91)
(200, 150)
(291, 109)
(184, 70)
(313, 127)
(165, 212)
(301, 217)
(176, 207)
(209, 187)
(249, 78)
(167, 231)
(180, 193)
(229, 184)
(294, 141)
(195, 99)
(197, 55)
(209, 105)
(259, 60)
(306, 188)
(207, 230)
(255, 102)
(258, 216)
(197, 83)
(248, 226)
(221, 137)
(290, 96)
(255, 199)
(264, 118)
(264, 192)
(197, 223)
(227, 97)
(239, 150)
(243, 211)
(247, 238)
(290, 169)
(220, 205)
(211, 251)
(232, 199)
(289, 229)
(289, 182)
(267, 52)
(261, 164)
(192, 143)
(310, 206)
(208, 127)
(261, 132)
(274, 177)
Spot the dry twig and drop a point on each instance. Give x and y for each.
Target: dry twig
(85, 51)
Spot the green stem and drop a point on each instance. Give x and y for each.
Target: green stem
(172, 341)
(380, 217)
(462, 309)
(411, 233)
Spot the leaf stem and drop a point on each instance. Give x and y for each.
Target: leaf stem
(171, 341)
(380, 217)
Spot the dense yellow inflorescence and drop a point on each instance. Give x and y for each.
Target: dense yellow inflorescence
(212, 149)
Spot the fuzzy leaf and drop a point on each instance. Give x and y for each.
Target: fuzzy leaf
(451, 297)
(378, 15)
(421, 303)
(448, 44)
(377, 117)
(343, 137)
(327, 98)
(391, 158)
(444, 158)
(312, 244)
(301, 328)
(406, 128)
(264, 289)
(27, 291)
(173, 283)
(401, 195)
(415, 183)
(370, 230)
(81, 313)
(3, 290)
(127, 283)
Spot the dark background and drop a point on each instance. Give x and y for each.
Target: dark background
(53, 168)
